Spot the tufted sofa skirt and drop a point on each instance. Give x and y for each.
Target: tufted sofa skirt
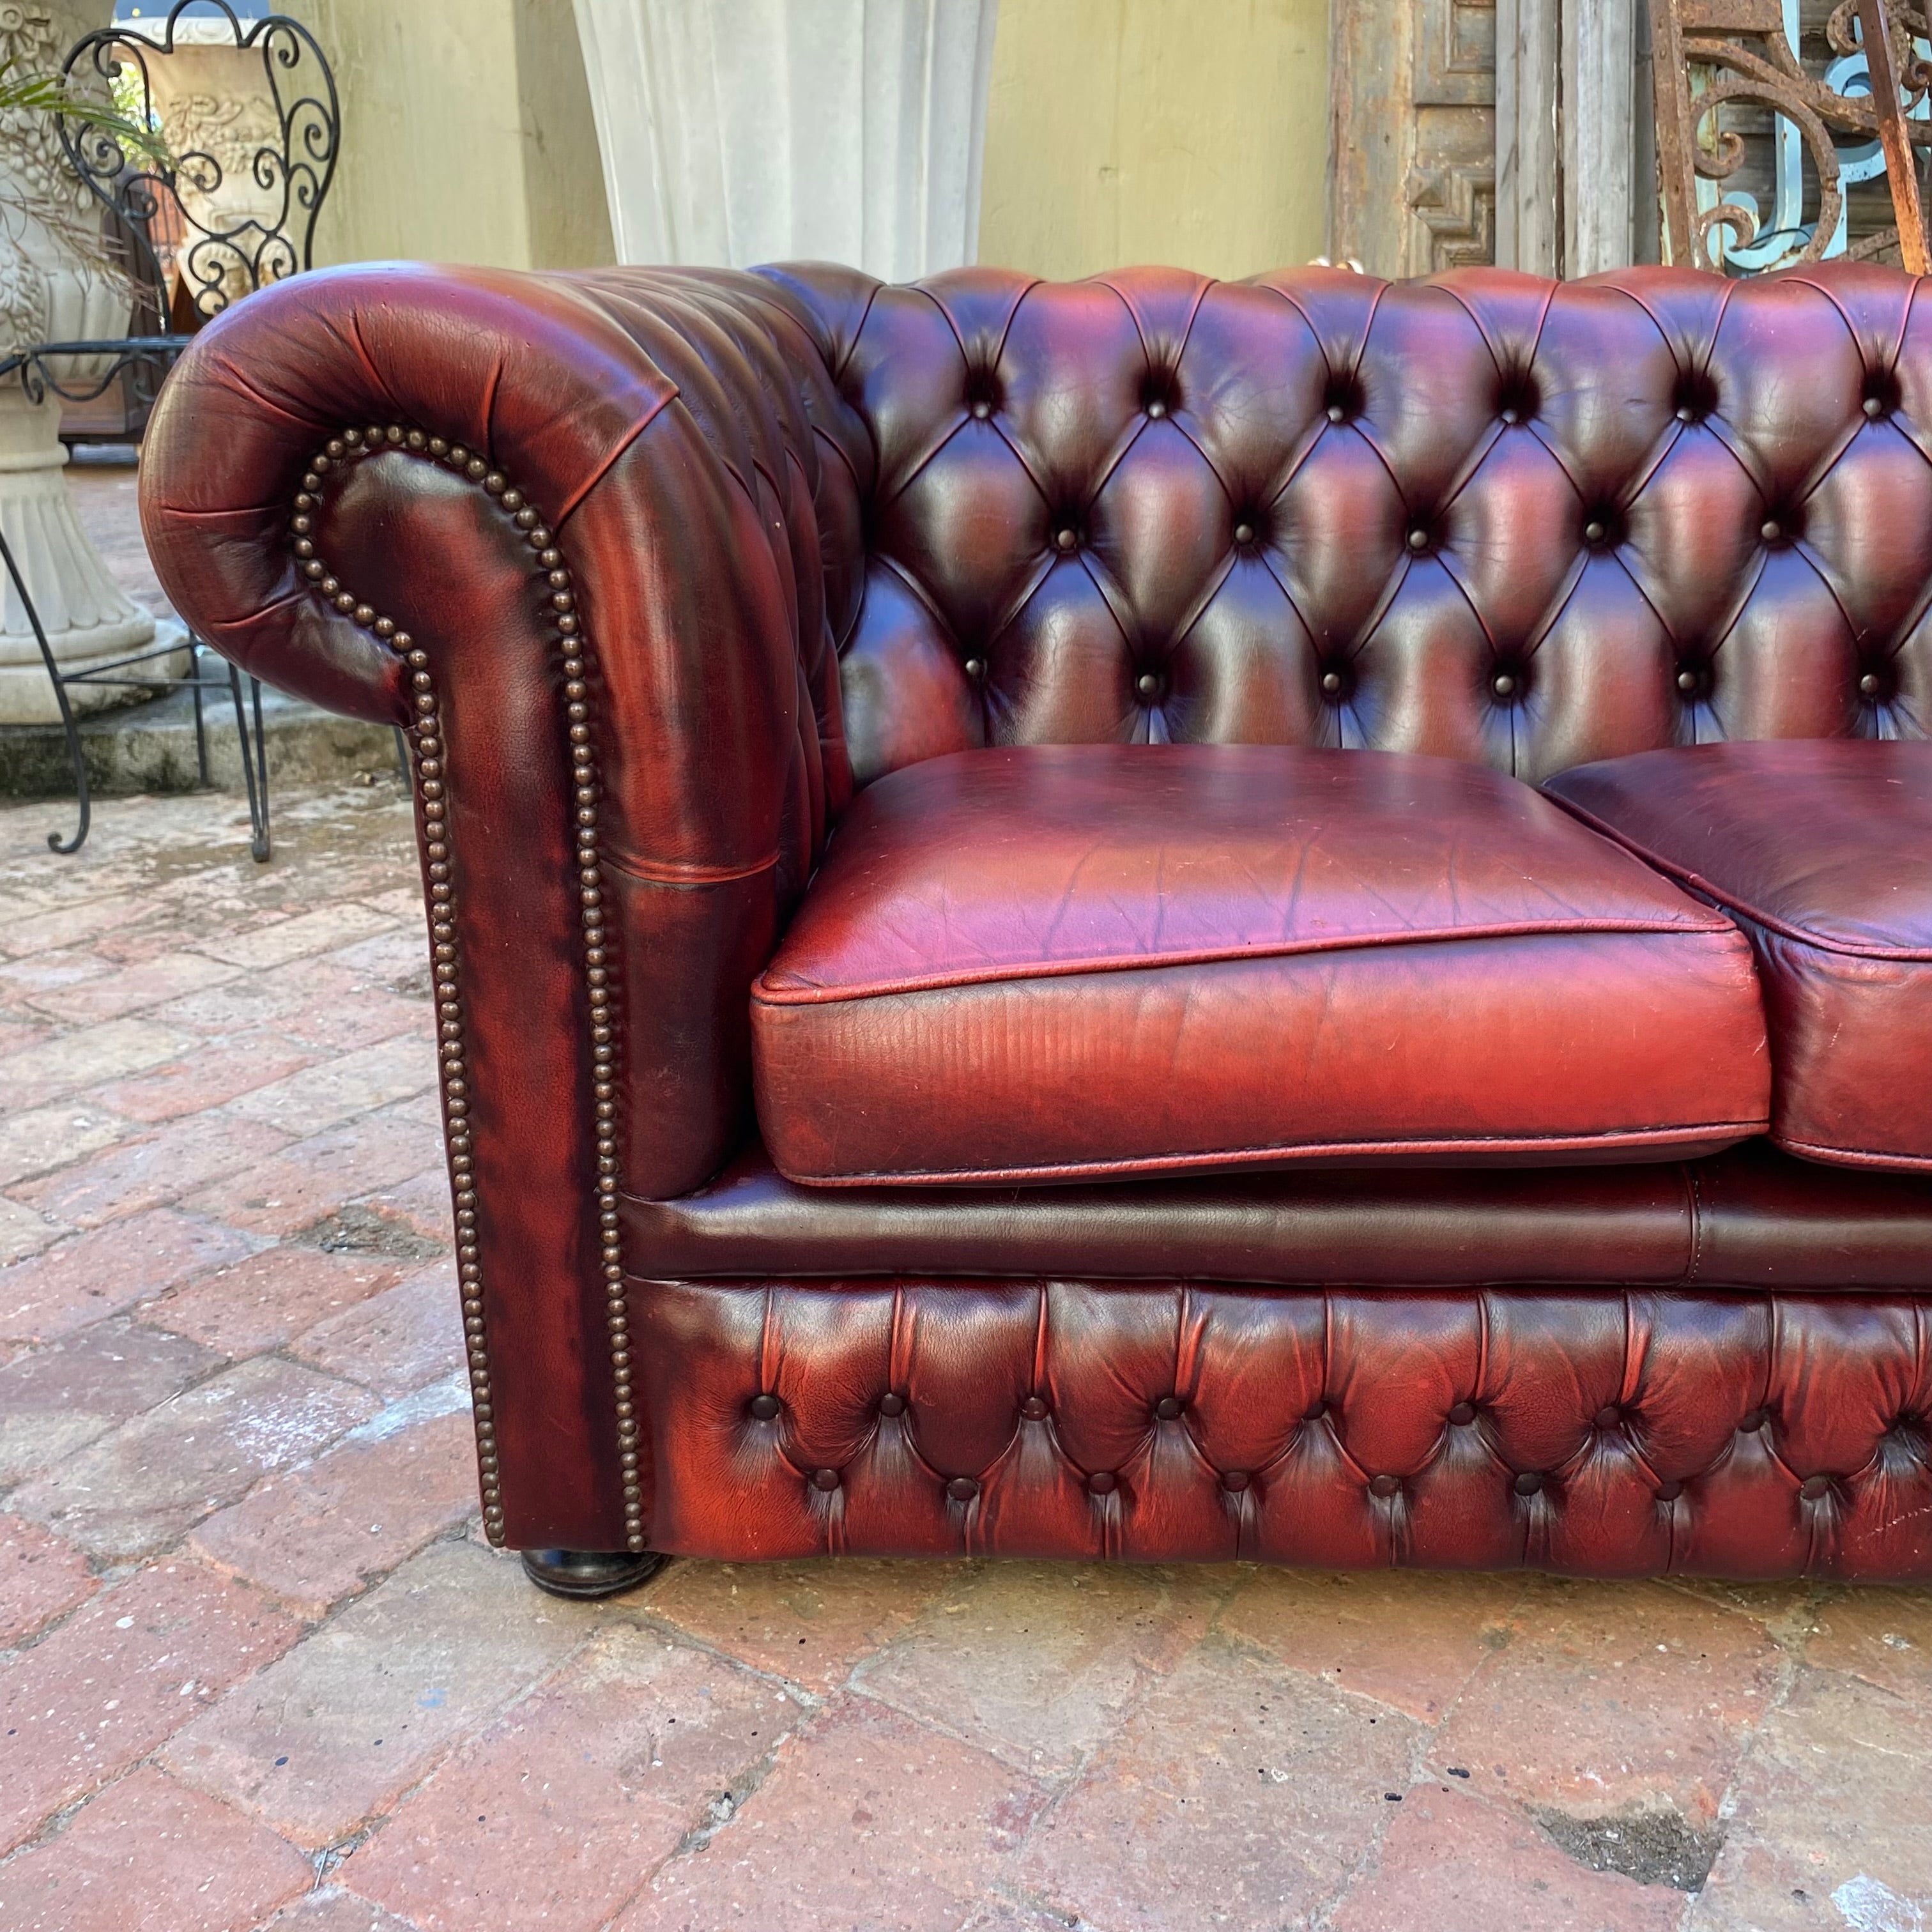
(1602, 1432)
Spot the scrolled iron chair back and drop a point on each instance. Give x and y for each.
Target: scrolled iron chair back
(177, 206)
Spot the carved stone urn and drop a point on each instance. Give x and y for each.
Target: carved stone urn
(215, 107)
(49, 294)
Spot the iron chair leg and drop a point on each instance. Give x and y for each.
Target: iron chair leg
(195, 648)
(254, 764)
(76, 755)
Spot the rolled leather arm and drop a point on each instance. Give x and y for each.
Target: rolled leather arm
(567, 531)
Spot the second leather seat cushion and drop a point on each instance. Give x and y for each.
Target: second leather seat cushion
(1823, 849)
(1064, 961)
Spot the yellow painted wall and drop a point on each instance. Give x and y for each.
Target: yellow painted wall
(469, 145)
(1190, 132)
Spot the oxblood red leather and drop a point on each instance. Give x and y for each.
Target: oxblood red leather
(1066, 961)
(1750, 1218)
(1824, 851)
(815, 530)
(1621, 1433)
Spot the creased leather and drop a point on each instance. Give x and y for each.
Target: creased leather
(1060, 961)
(1823, 853)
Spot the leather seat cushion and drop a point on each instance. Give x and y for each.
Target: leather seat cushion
(1066, 961)
(1821, 849)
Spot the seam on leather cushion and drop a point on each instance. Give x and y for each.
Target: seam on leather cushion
(1733, 902)
(675, 873)
(801, 992)
(1709, 1136)
(1838, 1156)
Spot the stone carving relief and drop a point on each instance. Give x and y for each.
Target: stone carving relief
(49, 291)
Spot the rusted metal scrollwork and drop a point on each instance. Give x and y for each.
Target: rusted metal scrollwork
(235, 208)
(1712, 54)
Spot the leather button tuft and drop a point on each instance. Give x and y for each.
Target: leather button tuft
(1685, 413)
(763, 1407)
(1815, 1489)
(1384, 1486)
(891, 1403)
(1868, 685)
(1156, 409)
(1234, 1480)
(1337, 413)
(1528, 1483)
(1034, 1409)
(962, 1489)
(1463, 1414)
(1169, 1408)
(825, 1479)
(1669, 1492)
(1244, 533)
(976, 668)
(1101, 1482)
(982, 410)
(1594, 532)
(1503, 685)
(1066, 538)
(1418, 538)
(1610, 1416)
(1148, 685)
(1316, 1411)
(1759, 1418)
(1687, 681)
(1331, 682)
(1510, 417)
(1771, 529)
(1873, 408)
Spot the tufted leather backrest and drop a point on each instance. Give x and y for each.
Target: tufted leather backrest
(1487, 516)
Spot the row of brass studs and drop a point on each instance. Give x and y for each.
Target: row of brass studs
(429, 792)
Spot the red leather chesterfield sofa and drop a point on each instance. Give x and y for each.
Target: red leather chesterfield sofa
(1147, 918)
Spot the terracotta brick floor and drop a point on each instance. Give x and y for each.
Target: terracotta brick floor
(256, 1667)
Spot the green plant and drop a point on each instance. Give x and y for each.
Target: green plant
(53, 94)
(39, 185)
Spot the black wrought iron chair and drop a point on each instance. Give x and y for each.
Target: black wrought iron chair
(162, 220)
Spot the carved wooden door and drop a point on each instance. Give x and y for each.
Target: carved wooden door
(1412, 148)
(1479, 130)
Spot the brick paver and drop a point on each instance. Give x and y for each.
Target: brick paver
(73, 1283)
(56, 1400)
(42, 1576)
(132, 1666)
(264, 1672)
(138, 1488)
(270, 1298)
(317, 1534)
(151, 1854)
(1453, 1864)
(584, 1789)
(866, 1819)
(326, 1738)
(1236, 1793)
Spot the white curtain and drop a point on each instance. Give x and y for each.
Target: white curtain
(740, 131)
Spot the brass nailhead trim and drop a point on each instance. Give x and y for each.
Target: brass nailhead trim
(560, 607)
